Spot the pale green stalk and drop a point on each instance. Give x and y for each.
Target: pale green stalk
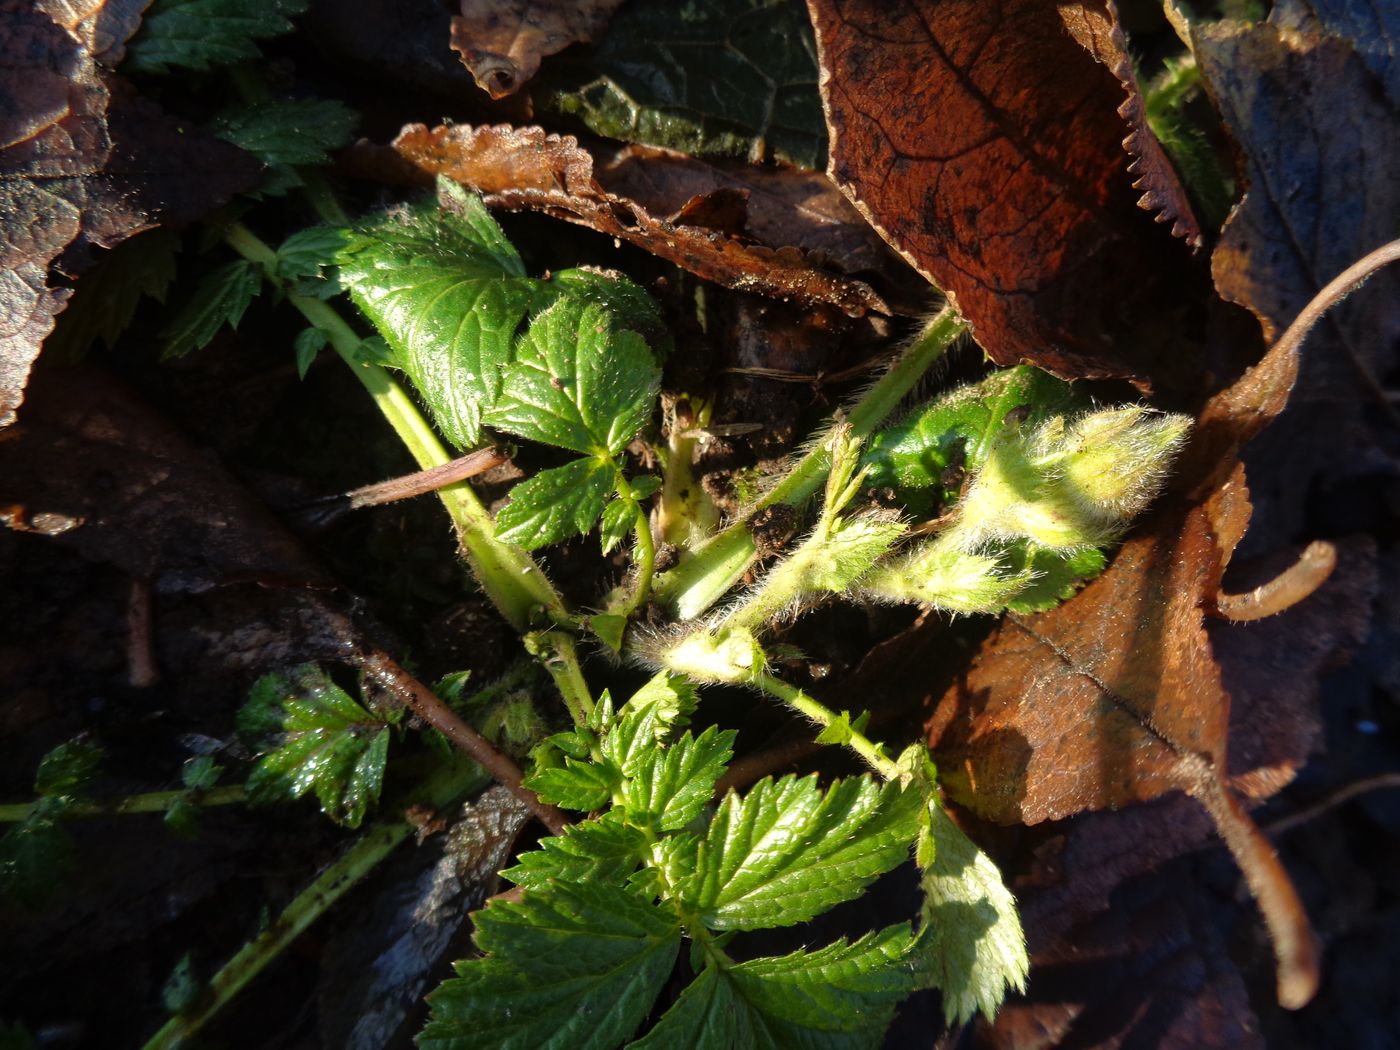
(147, 802)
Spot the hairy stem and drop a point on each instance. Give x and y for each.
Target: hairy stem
(873, 754)
(147, 802)
(701, 580)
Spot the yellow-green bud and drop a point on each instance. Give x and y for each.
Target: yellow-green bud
(942, 574)
(1114, 462)
(728, 657)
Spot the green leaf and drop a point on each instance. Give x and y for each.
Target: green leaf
(570, 968)
(609, 629)
(577, 784)
(600, 852)
(921, 459)
(67, 770)
(201, 773)
(449, 294)
(970, 945)
(307, 254)
(1058, 576)
(576, 383)
(731, 77)
(105, 300)
(324, 742)
(619, 518)
(292, 132)
(204, 34)
(841, 997)
(787, 851)
(671, 786)
(220, 298)
(182, 988)
(648, 718)
(36, 854)
(308, 343)
(842, 729)
(556, 504)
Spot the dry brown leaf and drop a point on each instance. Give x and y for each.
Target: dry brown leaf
(986, 144)
(83, 164)
(525, 168)
(502, 43)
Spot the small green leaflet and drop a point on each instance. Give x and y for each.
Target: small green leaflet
(1057, 575)
(204, 34)
(66, 771)
(36, 854)
(449, 294)
(664, 704)
(619, 518)
(198, 776)
(787, 851)
(314, 737)
(732, 77)
(841, 997)
(556, 504)
(970, 944)
(105, 300)
(308, 343)
(602, 851)
(287, 134)
(921, 457)
(671, 786)
(221, 298)
(569, 967)
(182, 987)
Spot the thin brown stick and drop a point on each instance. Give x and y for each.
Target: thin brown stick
(142, 671)
(1295, 946)
(1284, 825)
(1285, 590)
(423, 702)
(425, 481)
(758, 765)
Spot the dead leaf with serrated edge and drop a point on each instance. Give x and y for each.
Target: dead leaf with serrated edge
(502, 43)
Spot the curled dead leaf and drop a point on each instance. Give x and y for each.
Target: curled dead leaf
(502, 44)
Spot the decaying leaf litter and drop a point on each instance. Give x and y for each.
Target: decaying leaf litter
(1020, 174)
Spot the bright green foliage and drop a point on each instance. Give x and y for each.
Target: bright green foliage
(788, 851)
(204, 34)
(971, 946)
(841, 997)
(105, 301)
(287, 134)
(220, 298)
(558, 503)
(1054, 575)
(572, 963)
(733, 77)
(449, 294)
(923, 457)
(314, 737)
(572, 966)
(306, 256)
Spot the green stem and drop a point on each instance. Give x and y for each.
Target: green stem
(873, 754)
(148, 802)
(309, 905)
(646, 549)
(508, 575)
(698, 582)
(557, 652)
(438, 791)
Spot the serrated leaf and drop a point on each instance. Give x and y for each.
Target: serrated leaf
(204, 34)
(308, 253)
(648, 718)
(732, 77)
(671, 786)
(971, 946)
(308, 343)
(323, 741)
(36, 854)
(619, 517)
(921, 458)
(1057, 575)
(609, 629)
(105, 300)
(67, 770)
(842, 729)
(601, 852)
(449, 293)
(220, 298)
(787, 851)
(291, 132)
(570, 968)
(577, 784)
(841, 997)
(575, 383)
(557, 503)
